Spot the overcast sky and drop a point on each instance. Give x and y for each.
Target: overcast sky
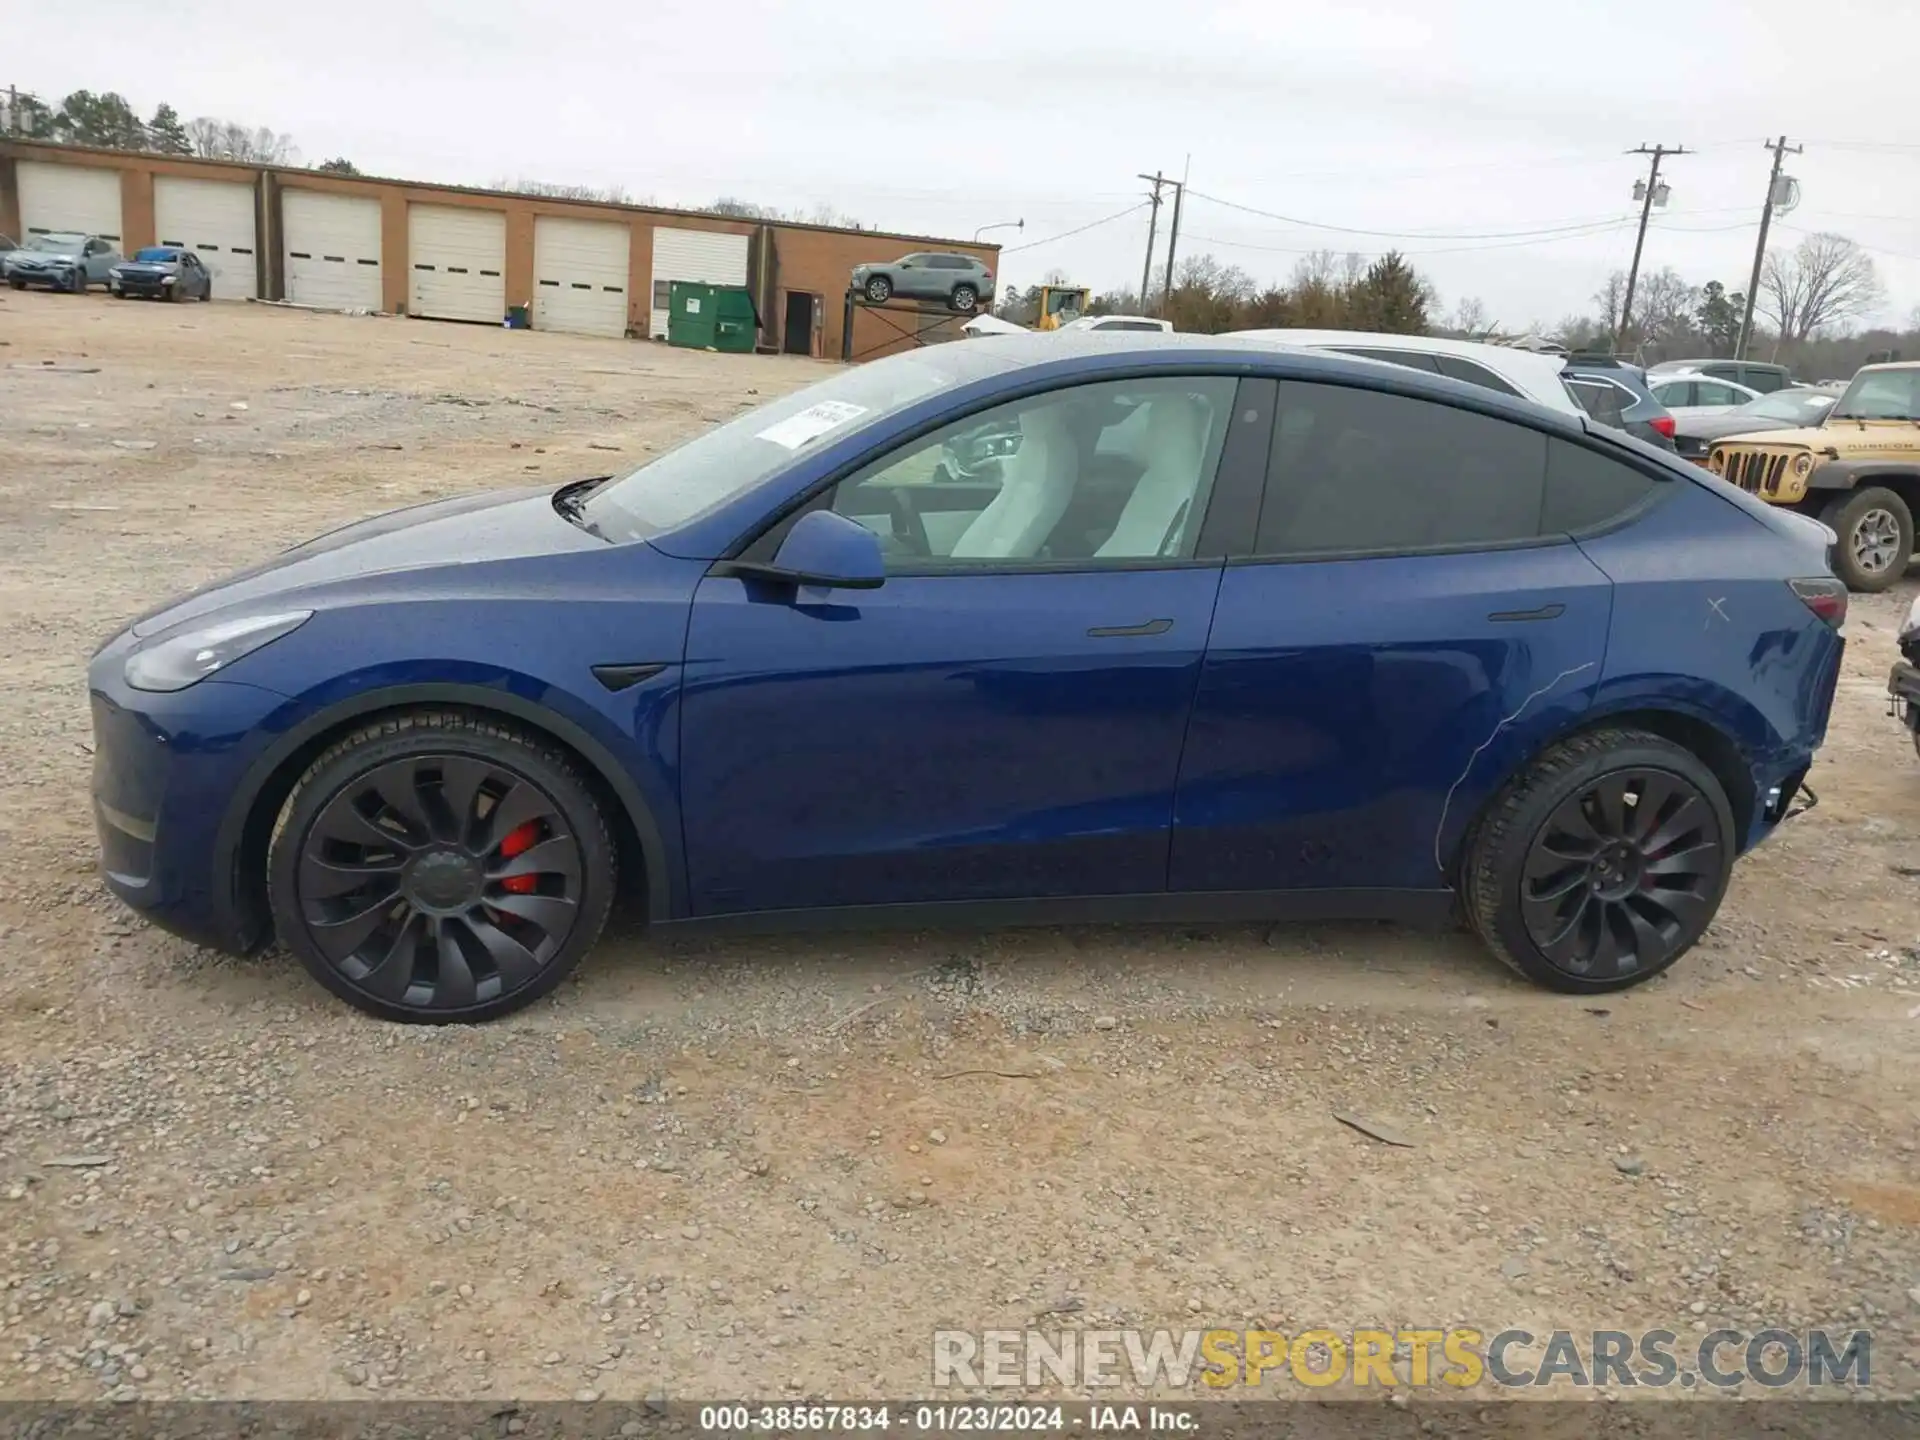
(1453, 124)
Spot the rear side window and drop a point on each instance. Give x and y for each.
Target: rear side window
(1604, 402)
(1586, 489)
(1355, 471)
(1473, 374)
(1678, 392)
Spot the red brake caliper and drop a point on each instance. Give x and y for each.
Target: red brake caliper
(518, 842)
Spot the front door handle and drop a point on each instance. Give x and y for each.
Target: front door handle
(1112, 632)
(1545, 612)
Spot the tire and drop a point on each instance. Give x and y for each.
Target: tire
(1876, 537)
(377, 911)
(965, 298)
(77, 285)
(171, 294)
(16, 284)
(879, 289)
(1567, 921)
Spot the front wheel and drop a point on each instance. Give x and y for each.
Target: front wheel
(1602, 863)
(1876, 537)
(77, 283)
(879, 289)
(16, 284)
(965, 297)
(440, 867)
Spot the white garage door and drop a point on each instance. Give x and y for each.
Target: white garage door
(459, 260)
(332, 249)
(69, 197)
(580, 275)
(708, 256)
(214, 219)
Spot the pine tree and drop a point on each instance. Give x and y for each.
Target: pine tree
(1390, 297)
(105, 120)
(166, 134)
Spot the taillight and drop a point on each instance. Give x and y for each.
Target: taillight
(1664, 425)
(1825, 596)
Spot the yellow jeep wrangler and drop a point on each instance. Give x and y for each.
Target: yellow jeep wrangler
(1858, 471)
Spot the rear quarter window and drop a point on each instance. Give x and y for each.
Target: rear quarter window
(1587, 490)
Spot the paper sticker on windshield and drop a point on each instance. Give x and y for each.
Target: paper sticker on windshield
(811, 423)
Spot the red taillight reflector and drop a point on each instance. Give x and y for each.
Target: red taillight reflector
(1663, 424)
(1825, 596)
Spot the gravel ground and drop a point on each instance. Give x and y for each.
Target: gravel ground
(774, 1167)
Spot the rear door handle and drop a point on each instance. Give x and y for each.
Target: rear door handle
(1545, 612)
(1112, 632)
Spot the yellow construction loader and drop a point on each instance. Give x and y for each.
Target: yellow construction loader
(1061, 303)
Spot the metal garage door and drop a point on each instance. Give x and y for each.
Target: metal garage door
(580, 275)
(214, 219)
(707, 256)
(332, 249)
(69, 197)
(459, 263)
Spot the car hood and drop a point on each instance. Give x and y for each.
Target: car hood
(1809, 437)
(495, 525)
(42, 256)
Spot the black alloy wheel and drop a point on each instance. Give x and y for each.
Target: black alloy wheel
(441, 876)
(1601, 862)
(1621, 872)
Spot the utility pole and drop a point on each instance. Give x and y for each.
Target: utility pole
(1146, 270)
(1659, 153)
(1173, 235)
(1780, 150)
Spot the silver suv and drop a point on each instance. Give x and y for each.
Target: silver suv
(959, 280)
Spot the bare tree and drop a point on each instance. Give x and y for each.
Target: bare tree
(1470, 317)
(1825, 282)
(1610, 297)
(558, 190)
(1663, 306)
(213, 139)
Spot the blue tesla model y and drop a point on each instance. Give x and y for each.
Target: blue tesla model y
(1042, 629)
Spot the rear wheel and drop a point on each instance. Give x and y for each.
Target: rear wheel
(965, 297)
(439, 867)
(1876, 537)
(1602, 863)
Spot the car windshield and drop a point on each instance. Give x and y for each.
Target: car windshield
(157, 254)
(1800, 409)
(712, 468)
(1881, 395)
(57, 244)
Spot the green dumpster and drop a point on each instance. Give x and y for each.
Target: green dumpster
(690, 315)
(735, 324)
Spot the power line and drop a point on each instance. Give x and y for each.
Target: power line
(1295, 221)
(1066, 234)
(1595, 231)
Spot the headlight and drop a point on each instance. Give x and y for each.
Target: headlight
(1803, 466)
(117, 273)
(181, 660)
(166, 279)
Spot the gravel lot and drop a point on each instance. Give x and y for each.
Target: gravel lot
(777, 1166)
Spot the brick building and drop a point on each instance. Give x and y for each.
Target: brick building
(448, 252)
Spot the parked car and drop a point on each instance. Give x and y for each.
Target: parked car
(1615, 393)
(1789, 409)
(60, 261)
(1754, 374)
(161, 272)
(985, 324)
(1687, 396)
(1138, 323)
(1857, 469)
(960, 281)
(1903, 685)
(1239, 631)
(1502, 369)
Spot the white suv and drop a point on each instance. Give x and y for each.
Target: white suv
(1524, 373)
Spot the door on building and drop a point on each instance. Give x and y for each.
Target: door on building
(331, 249)
(457, 260)
(214, 219)
(796, 331)
(1003, 718)
(73, 199)
(580, 275)
(706, 257)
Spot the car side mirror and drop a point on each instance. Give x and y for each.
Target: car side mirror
(822, 551)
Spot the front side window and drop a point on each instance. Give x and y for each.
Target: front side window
(1112, 472)
(1359, 472)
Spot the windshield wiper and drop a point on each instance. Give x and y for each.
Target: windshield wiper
(570, 502)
